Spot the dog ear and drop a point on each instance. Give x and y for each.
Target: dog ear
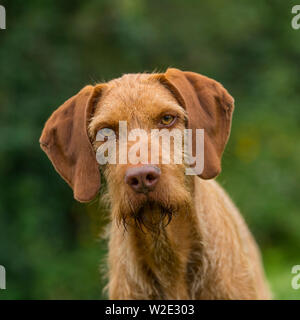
(65, 141)
(209, 106)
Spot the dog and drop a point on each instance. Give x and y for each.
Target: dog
(172, 235)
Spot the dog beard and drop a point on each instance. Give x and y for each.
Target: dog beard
(148, 214)
(153, 216)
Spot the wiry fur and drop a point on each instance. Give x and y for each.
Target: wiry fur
(186, 239)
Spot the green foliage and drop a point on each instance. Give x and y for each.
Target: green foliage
(52, 48)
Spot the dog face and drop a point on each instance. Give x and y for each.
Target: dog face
(143, 103)
(172, 100)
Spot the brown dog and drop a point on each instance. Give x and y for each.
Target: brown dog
(180, 237)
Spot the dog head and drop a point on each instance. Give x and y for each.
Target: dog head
(144, 102)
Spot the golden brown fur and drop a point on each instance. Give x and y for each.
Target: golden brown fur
(205, 252)
(185, 239)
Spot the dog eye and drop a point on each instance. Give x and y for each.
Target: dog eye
(104, 134)
(167, 120)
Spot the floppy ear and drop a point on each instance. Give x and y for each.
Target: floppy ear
(65, 141)
(209, 106)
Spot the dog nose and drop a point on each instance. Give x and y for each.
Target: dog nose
(142, 179)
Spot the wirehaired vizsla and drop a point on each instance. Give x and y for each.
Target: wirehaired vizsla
(172, 235)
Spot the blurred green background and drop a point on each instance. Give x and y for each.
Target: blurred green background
(49, 243)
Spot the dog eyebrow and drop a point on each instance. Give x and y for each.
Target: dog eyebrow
(109, 120)
(171, 108)
(96, 124)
